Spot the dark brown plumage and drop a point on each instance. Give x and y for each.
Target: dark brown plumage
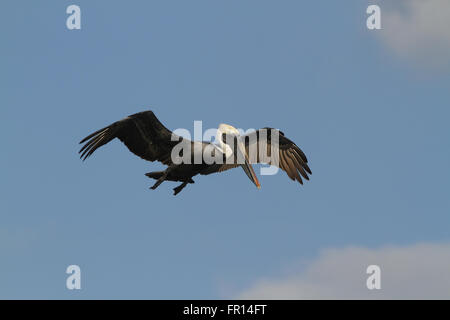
(146, 137)
(292, 160)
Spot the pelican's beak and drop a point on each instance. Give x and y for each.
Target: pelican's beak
(247, 166)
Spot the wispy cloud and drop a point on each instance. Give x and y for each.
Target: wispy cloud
(418, 30)
(414, 272)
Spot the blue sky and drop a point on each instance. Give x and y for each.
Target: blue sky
(371, 117)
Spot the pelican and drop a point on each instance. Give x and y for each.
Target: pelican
(145, 136)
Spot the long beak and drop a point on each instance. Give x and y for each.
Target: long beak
(247, 166)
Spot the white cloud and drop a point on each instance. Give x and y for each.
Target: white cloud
(415, 272)
(417, 30)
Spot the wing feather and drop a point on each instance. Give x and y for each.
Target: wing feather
(291, 158)
(142, 133)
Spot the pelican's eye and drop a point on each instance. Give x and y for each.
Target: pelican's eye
(224, 137)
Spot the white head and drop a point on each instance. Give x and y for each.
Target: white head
(225, 132)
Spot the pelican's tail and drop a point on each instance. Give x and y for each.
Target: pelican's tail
(155, 175)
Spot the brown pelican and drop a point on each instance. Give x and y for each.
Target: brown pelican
(145, 136)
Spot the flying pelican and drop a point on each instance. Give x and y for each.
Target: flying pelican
(146, 137)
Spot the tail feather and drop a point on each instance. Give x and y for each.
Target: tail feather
(155, 175)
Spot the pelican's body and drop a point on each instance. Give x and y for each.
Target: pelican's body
(145, 136)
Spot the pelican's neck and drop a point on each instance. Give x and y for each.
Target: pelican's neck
(223, 147)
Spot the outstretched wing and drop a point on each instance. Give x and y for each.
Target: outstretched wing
(142, 133)
(291, 158)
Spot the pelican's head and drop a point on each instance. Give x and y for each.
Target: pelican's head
(232, 144)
